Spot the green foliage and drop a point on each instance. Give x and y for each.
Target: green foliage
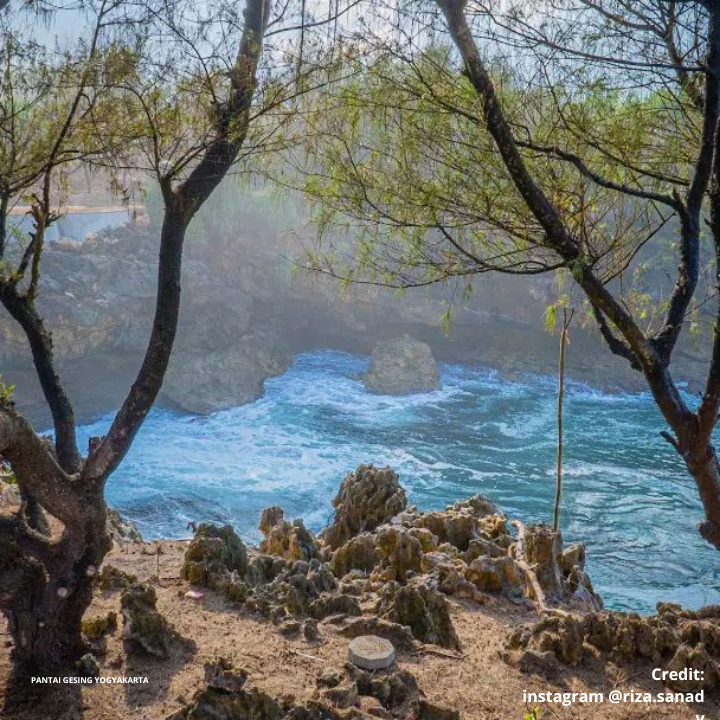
(533, 714)
(409, 188)
(6, 392)
(551, 312)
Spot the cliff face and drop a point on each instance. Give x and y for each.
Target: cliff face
(246, 311)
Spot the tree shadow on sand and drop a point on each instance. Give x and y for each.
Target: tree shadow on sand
(159, 673)
(24, 700)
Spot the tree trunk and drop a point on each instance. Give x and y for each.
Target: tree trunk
(702, 463)
(45, 607)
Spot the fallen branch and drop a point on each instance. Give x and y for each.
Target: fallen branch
(305, 655)
(429, 650)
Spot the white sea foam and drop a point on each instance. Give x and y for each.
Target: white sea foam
(626, 494)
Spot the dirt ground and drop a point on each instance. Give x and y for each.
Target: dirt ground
(479, 683)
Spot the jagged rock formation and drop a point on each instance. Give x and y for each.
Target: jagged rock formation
(213, 555)
(223, 675)
(675, 637)
(145, 630)
(379, 553)
(402, 367)
(399, 635)
(120, 529)
(344, 693)
(292, 541)
(95, 628)
(217, 704)
(422, 608)
(113, 579)
(367, 498)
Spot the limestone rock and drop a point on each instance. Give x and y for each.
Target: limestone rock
(279, 587)
(533, 662)
(399, 635)
(423, 609)
(88, 666)
(371, 652)
(291, 541)
(495, 575)
(223, 675)
(543, 552)
(263, 569)
(120, 529)
(145, 629)
(310, 630)
(400, 552)
(573, 556)
(9, 495)
(216, 704)
(563, 637)
(367, 498)
(111, 578)
(372, 707)
(694, 658)
(680, 638)
(218, 367)
(451, 526)
(212, 555)
(329, 678)
(269, 518)
(397, 690)
(401, 367)
(342, 696)
(332, 604)
(450, 575)
(357, 553)
(95, 628)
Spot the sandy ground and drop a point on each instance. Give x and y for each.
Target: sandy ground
(479, 684)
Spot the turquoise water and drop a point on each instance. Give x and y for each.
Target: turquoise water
(627, 495)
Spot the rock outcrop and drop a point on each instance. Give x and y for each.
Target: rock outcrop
(347, 692)
(380, 554)
(221, 363)
(289, 540)
(674, 638)
(145, 630)
(422, 608)
(111, 578)
(214, 554)
(98, 298)
(402, 367)
(120, 529)
(367, 498)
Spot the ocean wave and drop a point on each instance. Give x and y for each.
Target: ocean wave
(626, 495)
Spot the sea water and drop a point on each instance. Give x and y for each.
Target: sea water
(626, 495)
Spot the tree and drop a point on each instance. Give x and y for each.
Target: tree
(174, 91)
(575, 137)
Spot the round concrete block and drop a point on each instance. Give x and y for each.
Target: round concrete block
(370, 652)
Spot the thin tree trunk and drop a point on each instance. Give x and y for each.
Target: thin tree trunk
(561, 398)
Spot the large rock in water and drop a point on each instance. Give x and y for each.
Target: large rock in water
(402, 367)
